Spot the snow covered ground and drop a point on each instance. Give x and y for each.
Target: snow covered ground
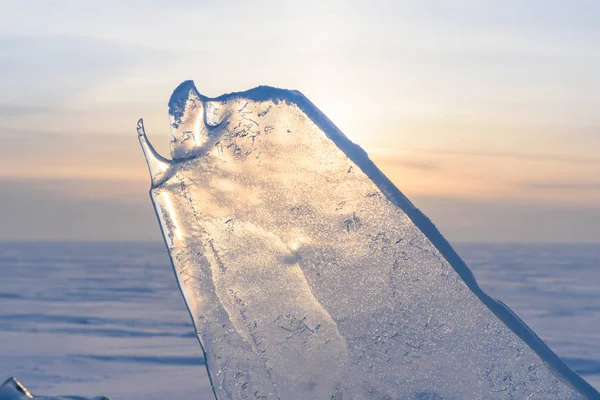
(108, 319)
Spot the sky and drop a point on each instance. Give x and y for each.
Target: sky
(484, 113)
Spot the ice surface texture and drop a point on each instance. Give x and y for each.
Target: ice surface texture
(308, 274)
(12, 389)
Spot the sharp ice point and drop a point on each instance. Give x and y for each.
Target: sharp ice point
(158, 166)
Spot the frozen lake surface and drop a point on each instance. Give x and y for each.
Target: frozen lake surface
(108, 319)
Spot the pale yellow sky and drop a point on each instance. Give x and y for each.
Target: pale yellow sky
(473, 108)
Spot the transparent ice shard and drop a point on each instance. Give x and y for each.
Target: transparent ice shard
(308, 275)
(12, 389)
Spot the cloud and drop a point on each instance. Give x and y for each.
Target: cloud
(401, 162)
(42, 72)
(93, 157)
(466, 220)
(553, 158)
(563, 185)
(19, 111)
(50, 210)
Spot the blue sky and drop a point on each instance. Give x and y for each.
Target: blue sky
(484, 113)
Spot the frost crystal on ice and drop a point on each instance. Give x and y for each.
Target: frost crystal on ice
(308, 275)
